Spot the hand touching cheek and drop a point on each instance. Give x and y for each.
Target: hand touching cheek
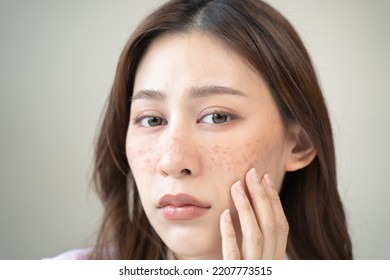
(263, 223)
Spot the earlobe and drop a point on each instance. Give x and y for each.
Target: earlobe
(301, 151)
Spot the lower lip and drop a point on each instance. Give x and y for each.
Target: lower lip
(184, 212)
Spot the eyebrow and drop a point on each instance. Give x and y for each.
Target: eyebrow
(194, 93)
(148, 94)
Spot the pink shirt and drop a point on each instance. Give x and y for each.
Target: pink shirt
(77, 254)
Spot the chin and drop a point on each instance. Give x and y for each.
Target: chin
(202, 252)
(189, 243)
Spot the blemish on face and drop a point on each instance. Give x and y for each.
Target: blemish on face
(219, 156)
(139, 156)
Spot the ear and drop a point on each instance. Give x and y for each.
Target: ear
(300, 149)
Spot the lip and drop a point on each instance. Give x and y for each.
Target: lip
(181, 207)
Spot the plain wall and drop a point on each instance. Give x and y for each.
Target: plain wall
(57, 63)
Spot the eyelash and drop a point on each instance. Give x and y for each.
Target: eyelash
(141, 118)
(229, 117)
(218, 112)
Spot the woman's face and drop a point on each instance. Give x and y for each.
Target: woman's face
(200, 119)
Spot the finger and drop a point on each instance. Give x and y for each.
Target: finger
(230, 250)
(252, 238)
(264, 213)
(280, 217)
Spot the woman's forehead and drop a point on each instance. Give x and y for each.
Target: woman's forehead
(193, 60)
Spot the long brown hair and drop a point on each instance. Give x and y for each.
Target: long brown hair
(267, 41)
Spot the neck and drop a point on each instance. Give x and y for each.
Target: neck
(212, 256)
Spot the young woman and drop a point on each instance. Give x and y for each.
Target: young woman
(216, 142)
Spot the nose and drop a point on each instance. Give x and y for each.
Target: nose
(179, 155)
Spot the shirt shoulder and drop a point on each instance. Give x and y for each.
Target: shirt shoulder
(76, 254)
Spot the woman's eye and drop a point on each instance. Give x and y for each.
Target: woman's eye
(216, 118)
(151, 121)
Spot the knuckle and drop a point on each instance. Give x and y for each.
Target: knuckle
(274, 197)
(284, 227)
(233, 255)
(256, 240)
(272, 227)
(262, 195)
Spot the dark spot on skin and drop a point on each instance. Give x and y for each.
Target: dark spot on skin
(216, 148)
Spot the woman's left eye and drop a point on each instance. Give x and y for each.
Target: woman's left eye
(216, 118)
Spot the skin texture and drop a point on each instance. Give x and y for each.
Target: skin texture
(185, 151)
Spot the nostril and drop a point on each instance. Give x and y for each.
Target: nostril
(186, 171)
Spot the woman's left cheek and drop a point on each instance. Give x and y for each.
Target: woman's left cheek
(234, 159)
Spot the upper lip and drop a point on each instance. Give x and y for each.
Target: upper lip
(180, 199)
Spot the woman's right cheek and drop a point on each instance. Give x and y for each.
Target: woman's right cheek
(141, 158)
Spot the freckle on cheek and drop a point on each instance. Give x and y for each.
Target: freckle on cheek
(216, 148)
(139, 156)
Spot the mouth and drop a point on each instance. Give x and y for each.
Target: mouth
(182, 207)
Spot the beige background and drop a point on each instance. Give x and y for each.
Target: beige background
(57, 62)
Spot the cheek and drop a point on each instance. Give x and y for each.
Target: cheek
(139, 156)
(140, 159)
(236, 154)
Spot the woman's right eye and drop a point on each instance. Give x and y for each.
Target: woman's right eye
(151, 121)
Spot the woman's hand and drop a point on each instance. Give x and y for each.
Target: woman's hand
(264, 226)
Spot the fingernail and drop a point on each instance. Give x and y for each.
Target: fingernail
(238, 188)
(267, 181)
(254, 176)
(227, 217)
